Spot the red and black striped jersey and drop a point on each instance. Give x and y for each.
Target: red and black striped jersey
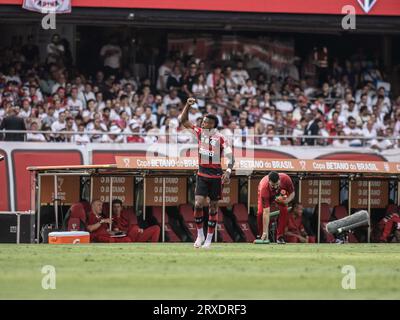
(211, 149)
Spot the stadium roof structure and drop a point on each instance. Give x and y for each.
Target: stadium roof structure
(200, 20)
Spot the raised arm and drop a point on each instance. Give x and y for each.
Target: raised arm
(183, 117)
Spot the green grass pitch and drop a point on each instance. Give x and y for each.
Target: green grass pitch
(178, 271)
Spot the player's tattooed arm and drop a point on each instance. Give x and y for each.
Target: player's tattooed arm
(183, 117)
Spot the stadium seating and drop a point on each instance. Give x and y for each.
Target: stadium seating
(392, 208)
(325, 218)
(75, 218)
(170, 234)
(242, 218)
(186, 211)
(339, 212)
(130, 215)
(223, 234)
(86, 206)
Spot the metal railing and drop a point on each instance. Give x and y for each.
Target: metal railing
(187, 133)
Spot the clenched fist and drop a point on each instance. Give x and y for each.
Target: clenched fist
(191, 101)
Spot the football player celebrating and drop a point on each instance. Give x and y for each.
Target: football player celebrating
(210, 176)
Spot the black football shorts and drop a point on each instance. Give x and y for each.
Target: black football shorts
(209, 187)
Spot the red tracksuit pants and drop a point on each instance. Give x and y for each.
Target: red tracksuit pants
(282, 221)
(388, 226)
(151, 234)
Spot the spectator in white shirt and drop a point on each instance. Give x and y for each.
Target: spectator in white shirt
(59, 125)
(128, 79)
(61, 83)
(365, 100)
(26, 110)
(82, 137)
(350, 111)
(75, 105)
(70, 126)
(13, 76)
(200, 90)
(171, 99)
(397, 124)
(364, 115)
(381, 97)
(229, 132)
(341, 143)
(369, 131)
(86, 95)
(248, 91)
(298, 131)
(163, 72)
(96, 128)
(284, 105)
(35, 137)
(149, 116)
(240, 75)
(384, 142)
(55, 50)
(352, 130)
(111, 54)
(114, 136)
(194, 113)
(270, 140)
(268, 117)
(242, 134)
(213, 77)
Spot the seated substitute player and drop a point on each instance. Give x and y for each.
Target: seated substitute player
(210, 177)
(99, 226)
(391, 228)
(278, 188)
(295, 231)
(120, 222)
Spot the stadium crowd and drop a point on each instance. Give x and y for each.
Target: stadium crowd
(317, 97)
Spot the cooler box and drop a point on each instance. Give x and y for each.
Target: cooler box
(69, 237)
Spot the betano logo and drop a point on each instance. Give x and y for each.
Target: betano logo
(367, 5)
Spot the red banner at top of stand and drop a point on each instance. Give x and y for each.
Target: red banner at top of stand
(362, 7)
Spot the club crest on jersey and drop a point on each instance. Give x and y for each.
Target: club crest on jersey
(207, 140)
(367, 5)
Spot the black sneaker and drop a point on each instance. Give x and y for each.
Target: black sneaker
(280, 240)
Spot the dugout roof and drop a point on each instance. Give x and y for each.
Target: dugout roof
(243, 166)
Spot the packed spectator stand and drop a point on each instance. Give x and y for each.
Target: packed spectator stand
(319, 101)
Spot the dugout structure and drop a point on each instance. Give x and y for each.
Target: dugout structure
(63, 183)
